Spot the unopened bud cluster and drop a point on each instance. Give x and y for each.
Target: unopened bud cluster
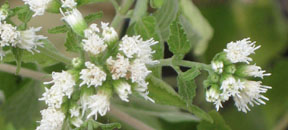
(234, 77)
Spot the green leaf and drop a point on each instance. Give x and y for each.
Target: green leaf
(58, 29)
(139, 11)
(164, 94)
(72, 42)
(23, 108)
(147, 28)
(218, 124)
(165, 16)
(187, 89)
(193, 17)
(24, 13)
(83, 2)
(178, 43)
(190, 74)
(92, 125)
(156, 3)
(44, 59)
(18, 53)
(92, 17)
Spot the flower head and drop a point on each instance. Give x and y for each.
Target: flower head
(3, 14)
(129, 45)
(53, 97)
(92, 75)
(138, 71)
(109, 34)
(99, 103)
(145, 51)
(240, 50)
(94, 45)
(118, 67)
(123, 89)
(251, 94)
(213, 95)
(75, 19)
(217, 66)
(142, 90)
(252, 71)
(8, 35)
(52, 119)
(37, 6)
(29, 40)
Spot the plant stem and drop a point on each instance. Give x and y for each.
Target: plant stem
(120, 14)
(171, 62)
(54, 55)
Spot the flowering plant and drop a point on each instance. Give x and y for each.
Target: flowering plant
(117, 70)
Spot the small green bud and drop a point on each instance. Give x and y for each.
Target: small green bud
(214, 78)
(77, 63)
(230, 69)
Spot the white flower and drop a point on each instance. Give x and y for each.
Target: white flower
(251, 94)
(145, 52)
(99, 103)
(75, 116)
(2, 53)
(109, 34)
(231, 86)
(212, 95)
(119, 67)
(8, 35)
(91, 31)
(75, 19)
(142, 89)
(52, 119)
(77, 122)
(37, 6)
(53, 97)
(3, 14)
(123, 89)
(63, 80)
(254, 71)
(29, 40)
(217, 66)
(92, 75)
(94, 45)
(84, 101)
(129, 45)
(68, 4)
(74, 112)
(138, 72)
(240, 50)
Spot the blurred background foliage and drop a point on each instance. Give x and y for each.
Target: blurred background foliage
(217, 23)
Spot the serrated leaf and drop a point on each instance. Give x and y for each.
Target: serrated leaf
(178, 43)
(156, 3)
(58, 29)
(72, 42)
(197, 22)
(92, 17)
(218, 124)
(187, 89)
(18, 53)
(164, 94)
(165, 16)
(190, 74)
(147, 28)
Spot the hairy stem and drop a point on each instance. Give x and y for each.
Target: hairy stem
(54, 55)
(120, 14)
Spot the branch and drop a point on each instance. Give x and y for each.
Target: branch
(45, 77)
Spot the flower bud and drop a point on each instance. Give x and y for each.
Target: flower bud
(230, 69)
(109, 34)
(217, 66)
(251, 71)
(4, 12)
(77, 62)
(76, 21)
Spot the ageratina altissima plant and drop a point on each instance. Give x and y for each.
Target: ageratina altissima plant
(112, 69)
(235, 77)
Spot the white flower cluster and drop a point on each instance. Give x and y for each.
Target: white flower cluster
(232, 70)
(53, 117)
(27, 39)
(38, 6)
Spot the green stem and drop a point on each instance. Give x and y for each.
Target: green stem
(171, 62)
(120, 14)
(54, 55)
